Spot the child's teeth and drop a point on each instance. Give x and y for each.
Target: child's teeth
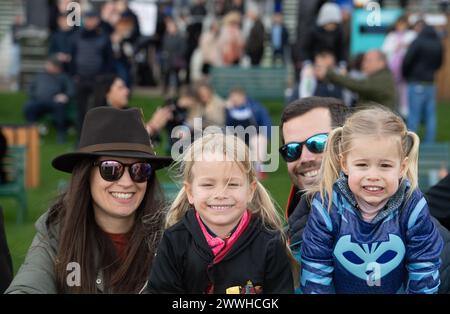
(311, 173)
(220, 207)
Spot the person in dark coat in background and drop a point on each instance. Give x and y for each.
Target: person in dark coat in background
(254, 46)
(438, 198)
(423, 58)
(327, 35)
(61, 42)
(92, 56)
(306, 16)
(172, 55)
(6, 267)
(194, 30)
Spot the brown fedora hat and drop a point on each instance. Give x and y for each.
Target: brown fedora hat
(113, 132)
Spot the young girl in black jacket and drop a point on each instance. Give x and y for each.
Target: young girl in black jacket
(224, 234)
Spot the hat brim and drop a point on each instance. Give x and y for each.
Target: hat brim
(67, 162)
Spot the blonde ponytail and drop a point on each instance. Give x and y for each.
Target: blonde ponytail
(330, 168)
(178, 209)
(410, 145)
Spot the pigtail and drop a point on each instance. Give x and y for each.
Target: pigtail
(178, 209)
(331, 165)
(262, 205)
(410, 143)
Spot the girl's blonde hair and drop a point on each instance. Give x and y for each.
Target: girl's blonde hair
(233, 149)
(374, 121)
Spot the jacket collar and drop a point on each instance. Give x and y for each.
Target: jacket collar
(394, 203)
(202, 247)
(293, 200)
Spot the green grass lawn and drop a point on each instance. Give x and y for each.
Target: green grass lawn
(20, 236)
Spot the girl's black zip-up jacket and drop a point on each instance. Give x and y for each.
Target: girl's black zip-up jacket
(257, 262)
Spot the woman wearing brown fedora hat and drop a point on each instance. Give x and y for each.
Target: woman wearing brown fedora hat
(101, 234)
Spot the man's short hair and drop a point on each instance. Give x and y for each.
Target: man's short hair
(324, 53)
(53, 59)
(237, 90)
(338, 110)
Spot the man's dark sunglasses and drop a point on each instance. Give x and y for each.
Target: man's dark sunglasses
(293, 150)
(112, 170)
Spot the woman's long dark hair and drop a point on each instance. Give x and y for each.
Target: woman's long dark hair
(82, 241)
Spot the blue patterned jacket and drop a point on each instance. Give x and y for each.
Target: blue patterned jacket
(397, 252)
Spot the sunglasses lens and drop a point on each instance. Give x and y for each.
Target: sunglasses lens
(111, 170)
(140, 171)
(291, 151)
(316, 144)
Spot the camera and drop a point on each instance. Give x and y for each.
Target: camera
(179, 114)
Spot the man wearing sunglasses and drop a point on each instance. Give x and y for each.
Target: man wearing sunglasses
(305, 124)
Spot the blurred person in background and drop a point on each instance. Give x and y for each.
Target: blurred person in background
(243, 111)
(61, 41)
(185, 109)
(214, 105)
(318, 85)
(420, 64)
(172, 56)
(109, 16)
(123, 46)
(111, 90)
(378, 85)
(14, 65)
(3, 149)
(254, 43)
(279, 39)
(327, 35)
(194, 31)
(50, 92)
(92, 56)
(208, 47)
(394, 47)
(231, 42)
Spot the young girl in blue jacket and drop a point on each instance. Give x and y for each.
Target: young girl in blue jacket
(370, 230)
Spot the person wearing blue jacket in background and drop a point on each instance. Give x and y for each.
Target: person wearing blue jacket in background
(370, 230)
(243, 111)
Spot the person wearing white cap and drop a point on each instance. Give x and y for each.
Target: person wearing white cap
(327, 35)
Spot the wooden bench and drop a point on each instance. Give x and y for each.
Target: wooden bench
(14, 167)
(28, 135)
(432, 158)
(258, 82)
